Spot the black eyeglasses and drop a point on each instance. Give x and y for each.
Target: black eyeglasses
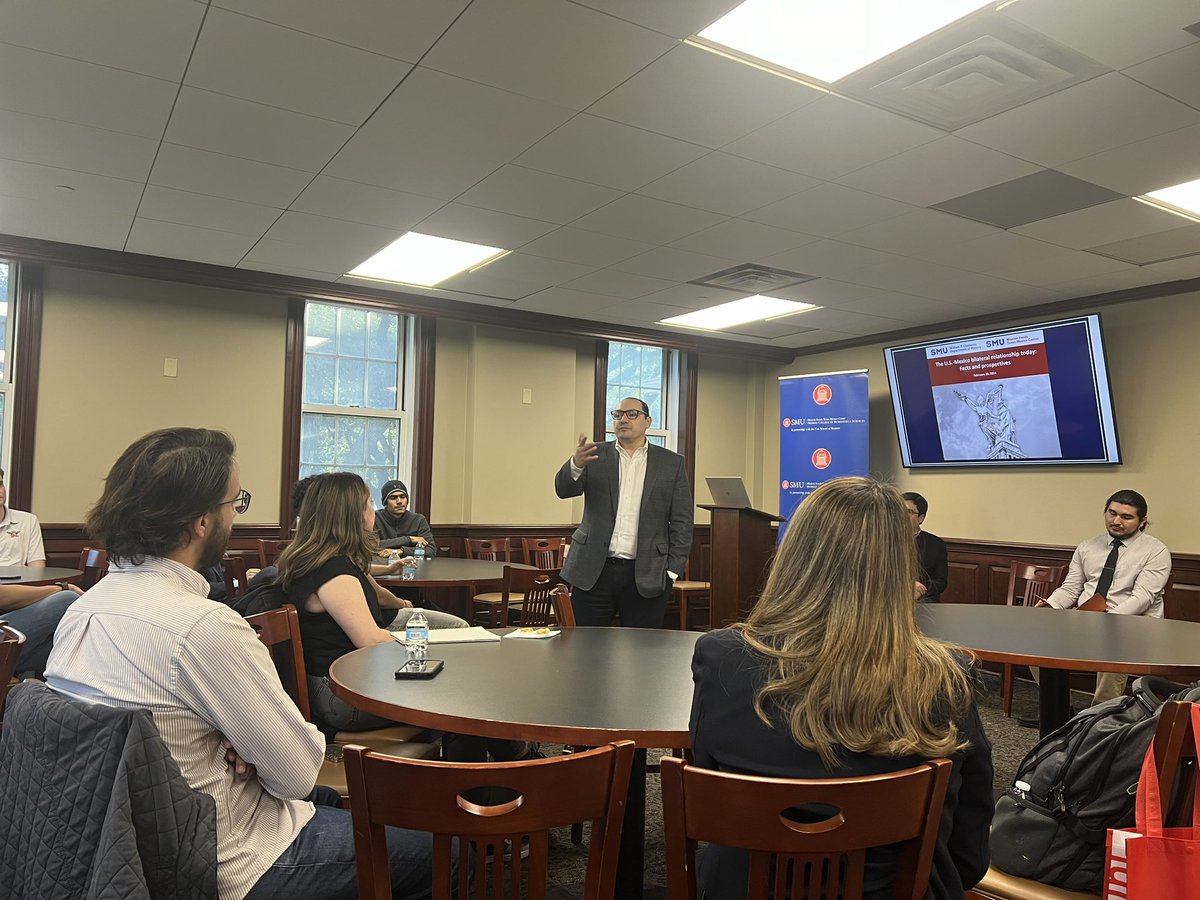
(241, 502)
(631, 414)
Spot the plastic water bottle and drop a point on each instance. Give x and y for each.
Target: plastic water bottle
(419, 553)
(408, 571)
(416, 634)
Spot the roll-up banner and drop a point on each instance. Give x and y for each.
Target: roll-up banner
(823, 432)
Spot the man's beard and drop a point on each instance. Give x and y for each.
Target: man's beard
(214, 547)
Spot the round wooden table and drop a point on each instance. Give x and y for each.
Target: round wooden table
(36, 574)
(1061, 641)
(448, 571)
(586, 686)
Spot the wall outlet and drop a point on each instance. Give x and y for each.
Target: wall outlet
(527, 395)
(170, 367)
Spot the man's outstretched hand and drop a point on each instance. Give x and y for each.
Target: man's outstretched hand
(585, 452)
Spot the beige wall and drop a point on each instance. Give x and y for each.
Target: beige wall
(101, 383)
(1155, 371)
(729, 434)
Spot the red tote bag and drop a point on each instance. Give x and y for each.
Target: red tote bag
(1152, 862)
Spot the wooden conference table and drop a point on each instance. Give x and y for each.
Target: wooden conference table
(36, 574)
(447, 571)
(586, 686)
(1062, 641)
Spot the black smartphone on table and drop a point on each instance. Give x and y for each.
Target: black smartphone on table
(420, 668)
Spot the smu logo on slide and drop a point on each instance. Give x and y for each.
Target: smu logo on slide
(822, 394)
(821, 458)
(787, 423)
(787, 484)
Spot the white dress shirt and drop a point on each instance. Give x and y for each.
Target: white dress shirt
(632, 467)
(1143, 567)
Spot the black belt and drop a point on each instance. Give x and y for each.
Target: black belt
(619, 561)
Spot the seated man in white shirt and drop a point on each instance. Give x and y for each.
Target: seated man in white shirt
(147, 636)
(34, 610)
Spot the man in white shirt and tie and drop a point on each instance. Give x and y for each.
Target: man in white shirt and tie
(1122, 571)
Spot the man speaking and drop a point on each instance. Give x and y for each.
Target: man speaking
(636, 532)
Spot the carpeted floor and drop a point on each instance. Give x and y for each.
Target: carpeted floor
(1010, 743)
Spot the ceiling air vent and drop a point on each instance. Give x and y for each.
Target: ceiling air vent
(752, 278)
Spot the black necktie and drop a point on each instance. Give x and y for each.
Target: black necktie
(1110, 565)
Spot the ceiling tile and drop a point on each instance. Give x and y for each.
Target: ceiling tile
(1114, 32)
(203, 172)
(678, 18)
(1101, 224)
(639, 312)
(354, 238)
(354, 202)
(697, 96)
(828, 209)
(1030, 198)
(907, 307)
(646, 219)
(1154, 248)
(849, 322)
(612, 283)
(91, 226)
(560, 301)
(1176, 74)
(535, 269)
(297, 271)
(65, 145)
(150, 37)
(771, 328)
(466, 131)
(915, 230)
(484, 284)
(727, 184)
(537, 195)
(937, 171)
(692, 296)
(276, 66)
(589, 248)
(482, 226)
(1146, 165)
(401, 29)
(505, 45)
(813, 338)
(269, 254)
(253, 131)
(162, 204)
(1011, 256)
(852, 135)
(675, 265)
(1184, 267)
(172, 240)
(1097, 115)
(608, 153)
(1131, 277)
(742, 240)
(56, 87)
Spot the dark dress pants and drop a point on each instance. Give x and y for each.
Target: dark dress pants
(616, 592)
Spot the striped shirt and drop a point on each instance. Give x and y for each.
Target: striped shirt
(147, 636)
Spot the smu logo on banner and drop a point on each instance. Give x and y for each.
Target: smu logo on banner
(823, 432)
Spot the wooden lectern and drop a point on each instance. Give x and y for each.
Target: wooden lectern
(743, 543)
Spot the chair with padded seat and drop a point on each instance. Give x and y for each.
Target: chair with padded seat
(825, 859)
(536, 589)
(269, 550)
(487, 596)
(688, 591)
(1173, 745)
(10, 649)
(1027, 584)
(93, 562)
(549, 793)
(279, 631)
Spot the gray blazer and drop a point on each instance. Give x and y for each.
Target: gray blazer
(664, 526)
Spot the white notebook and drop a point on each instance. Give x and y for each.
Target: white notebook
(477, 634)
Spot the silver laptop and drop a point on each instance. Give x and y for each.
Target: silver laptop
(728, 492)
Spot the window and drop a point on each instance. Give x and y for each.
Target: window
(7, 281)
(648, 373)
(356, 392)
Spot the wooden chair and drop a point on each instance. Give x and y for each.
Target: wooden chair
(687, 591)
(564, 612)
(544, 553)
(279, 631)
(487, 601)
(1027, 584)
(234, 570)
(269, 550)
(1173, 745)
(10, 649)
(94, 564)
(550, 793)
(536, 589)
(825, 859)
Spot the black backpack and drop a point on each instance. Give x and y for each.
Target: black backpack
(1075, 784)
(260, 598)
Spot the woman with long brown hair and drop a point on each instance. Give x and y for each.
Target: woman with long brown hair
(829, 677)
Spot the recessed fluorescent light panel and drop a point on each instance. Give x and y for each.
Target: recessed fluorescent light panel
(1182, 199)
(829, 39)
(424, 260)
(739, 312)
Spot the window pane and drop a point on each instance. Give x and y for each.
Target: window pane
(381, 385)
(320, 328)
(653, 399)
(383, 441)
(352, 332)
(320, 377)
(366, 446)
(614, 361)
(351, 382)
(658, 440)
(652, 367)
(383, 338)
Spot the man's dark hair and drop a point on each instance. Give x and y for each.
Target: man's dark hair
(298, 491)
(918, 501)
(645, 408)
(157, 488)
(1129, 498)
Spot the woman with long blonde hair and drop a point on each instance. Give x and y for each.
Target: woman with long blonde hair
(829, 676)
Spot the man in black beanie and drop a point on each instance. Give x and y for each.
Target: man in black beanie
(397, 526)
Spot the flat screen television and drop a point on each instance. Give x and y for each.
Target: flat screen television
(1030, 395)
